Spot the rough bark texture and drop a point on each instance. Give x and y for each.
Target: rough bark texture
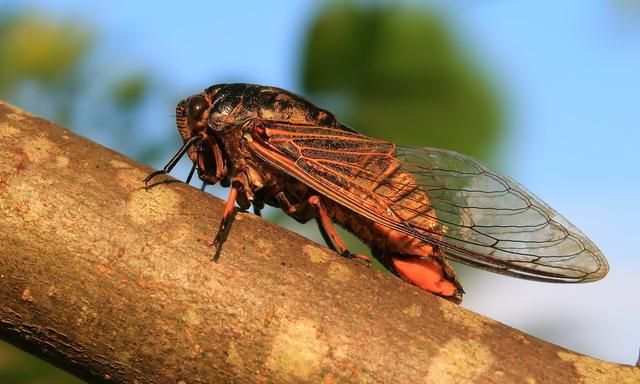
(114, 283)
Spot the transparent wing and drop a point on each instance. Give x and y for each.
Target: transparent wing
(478, 216)
(492, 222)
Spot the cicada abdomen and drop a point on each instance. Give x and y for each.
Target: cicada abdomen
(415, 207)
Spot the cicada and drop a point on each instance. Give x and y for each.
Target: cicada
(415, 208)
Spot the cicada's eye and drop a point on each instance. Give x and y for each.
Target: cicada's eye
(196, 106)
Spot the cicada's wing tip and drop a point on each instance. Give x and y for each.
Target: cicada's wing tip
(598, 275)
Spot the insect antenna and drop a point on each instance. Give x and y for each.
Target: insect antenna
(174, 160)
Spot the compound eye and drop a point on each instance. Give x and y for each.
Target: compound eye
(196, 106)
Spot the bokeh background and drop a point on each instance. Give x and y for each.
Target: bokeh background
(548, 93)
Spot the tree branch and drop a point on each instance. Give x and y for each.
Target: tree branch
(114, 283)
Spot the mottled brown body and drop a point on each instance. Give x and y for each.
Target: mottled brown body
(412, 206)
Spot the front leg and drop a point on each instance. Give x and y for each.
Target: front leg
(227, 214)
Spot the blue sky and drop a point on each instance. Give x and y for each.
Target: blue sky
(570, 74)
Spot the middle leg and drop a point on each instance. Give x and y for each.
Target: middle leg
(329, 232)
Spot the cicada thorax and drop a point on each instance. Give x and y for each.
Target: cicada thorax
(274, 105)
(232, 112)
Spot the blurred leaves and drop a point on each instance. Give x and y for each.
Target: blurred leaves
(397, 72)
(20, 367)
(128, 92)
(28, 41)
(49, 67)
(39, 61)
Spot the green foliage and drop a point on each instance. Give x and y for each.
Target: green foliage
(20, 367)
(398, 73)
(42, 57)
(47, 66)
(129, 92)
(27, 41)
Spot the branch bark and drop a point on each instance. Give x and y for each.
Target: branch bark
(114, 283)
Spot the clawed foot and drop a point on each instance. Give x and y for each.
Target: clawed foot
(357, 256)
